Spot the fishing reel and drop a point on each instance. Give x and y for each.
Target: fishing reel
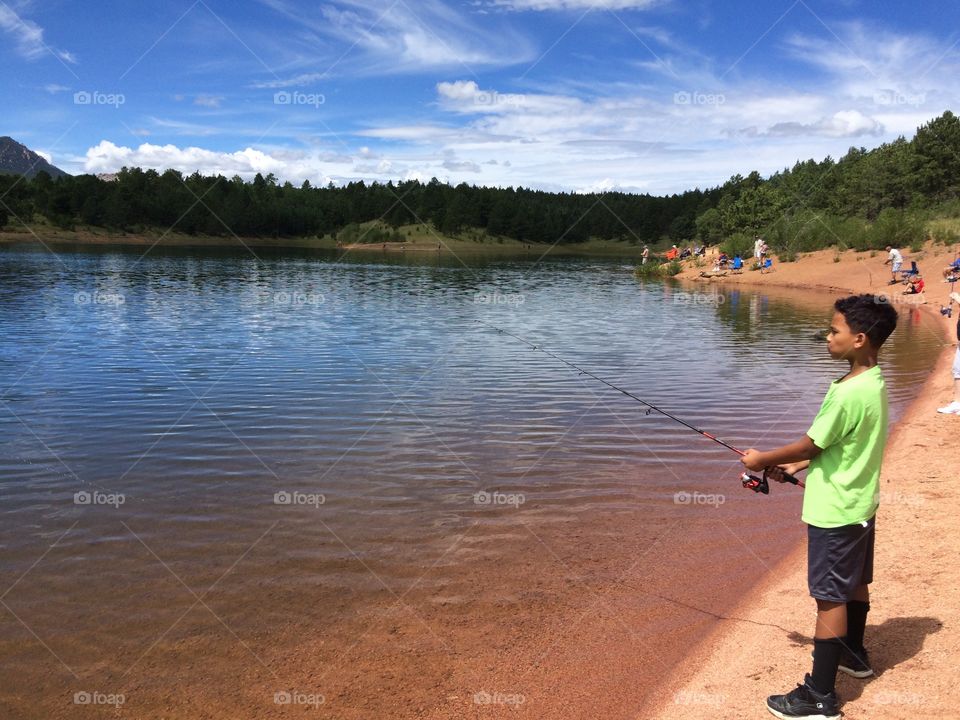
(757, 484)
(762, 484)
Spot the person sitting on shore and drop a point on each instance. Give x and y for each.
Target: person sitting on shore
(685, 253)
(896, 262)
(954, 407)
(672, 253)
(737, 263)
(843, 450)
(951, 273)
(914, 285)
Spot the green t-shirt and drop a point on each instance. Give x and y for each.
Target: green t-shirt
(843, 482)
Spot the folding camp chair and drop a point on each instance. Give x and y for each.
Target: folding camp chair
(905, 275)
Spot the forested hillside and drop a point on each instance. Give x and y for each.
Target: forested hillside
(863, 199)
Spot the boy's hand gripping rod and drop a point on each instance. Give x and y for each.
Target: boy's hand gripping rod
(751, 482)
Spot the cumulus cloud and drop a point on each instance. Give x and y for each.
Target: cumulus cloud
(107, 157)
(318, 167)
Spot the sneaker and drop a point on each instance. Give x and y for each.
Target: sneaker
(951, 409)
(856, 665)
(805, 702)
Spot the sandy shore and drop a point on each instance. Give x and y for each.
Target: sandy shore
(764, 646)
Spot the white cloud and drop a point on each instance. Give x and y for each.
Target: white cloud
(295, 81)
(107, 157)
(843, 124)
(386, 36)
(28, 36)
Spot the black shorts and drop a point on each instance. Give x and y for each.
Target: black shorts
(839, 560)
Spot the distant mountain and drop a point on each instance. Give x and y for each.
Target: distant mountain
(18, 159)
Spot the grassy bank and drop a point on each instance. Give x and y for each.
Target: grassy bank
(368, 237)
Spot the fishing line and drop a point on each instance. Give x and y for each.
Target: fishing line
(751, 482)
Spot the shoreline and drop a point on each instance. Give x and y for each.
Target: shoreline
(762, 647)
(88, 238)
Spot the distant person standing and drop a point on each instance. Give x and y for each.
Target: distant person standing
(954, 407)
(645, 255)
(757, 244)
(896, 261)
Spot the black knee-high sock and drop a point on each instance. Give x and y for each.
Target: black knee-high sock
(826, 660)
(856, 623)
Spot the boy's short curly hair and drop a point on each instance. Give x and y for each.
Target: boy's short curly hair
(871, 315)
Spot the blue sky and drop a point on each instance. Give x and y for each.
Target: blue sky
(642, 95)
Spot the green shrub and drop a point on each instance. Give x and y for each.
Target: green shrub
(671, 268)
(896, 228)
(738, 244)
(655, 270)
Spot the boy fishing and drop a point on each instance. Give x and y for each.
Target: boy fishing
(843, 450)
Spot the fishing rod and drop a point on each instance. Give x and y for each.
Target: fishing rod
(751, 482)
